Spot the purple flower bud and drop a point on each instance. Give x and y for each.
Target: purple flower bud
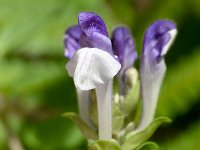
(71, 40)
(124, 49)
(95, 33)
(157, 40)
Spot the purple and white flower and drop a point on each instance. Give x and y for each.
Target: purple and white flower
(157, 40)
(124, 49)
(95, 60)
(93, 67)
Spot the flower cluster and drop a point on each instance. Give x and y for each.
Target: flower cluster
(94, 60)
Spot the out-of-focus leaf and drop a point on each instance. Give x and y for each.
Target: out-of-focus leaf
(85, 129)
(21, 78)
(123, 11)
(195, 7)
(177, 9)
(3, 136)
(186, 140)
(181, 87)
(37, 28)
(51, 134)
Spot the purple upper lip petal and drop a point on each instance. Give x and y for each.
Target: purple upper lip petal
(91, 23)
(91, 32)
(124, 46)
(124, 49)
(95, 32)
(96, 41)
(71, 40)
(156, 37)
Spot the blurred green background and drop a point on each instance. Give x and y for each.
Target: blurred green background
(35, 88)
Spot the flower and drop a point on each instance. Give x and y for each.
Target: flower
(94, 66)
(95, 60)
(124, 49)
(157, 40)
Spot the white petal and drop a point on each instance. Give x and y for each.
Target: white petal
(166, 47)
(84, 106)
(91, 67)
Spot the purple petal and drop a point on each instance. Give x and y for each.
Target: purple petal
(71, 40)
(157, 40)
(124, 49)
(96, 41)
(157, 37)
(95, 33)
(91, 23)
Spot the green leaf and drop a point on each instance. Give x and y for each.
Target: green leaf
(148, 146)
(131, 100)
(103, 145)
(117, 119)
(85, 129)
(136, 138)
